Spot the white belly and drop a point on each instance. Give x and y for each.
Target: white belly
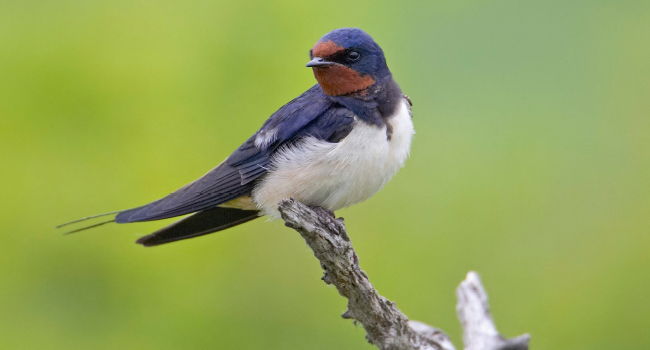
(336, 175)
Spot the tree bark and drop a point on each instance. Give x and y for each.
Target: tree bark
(386, 326)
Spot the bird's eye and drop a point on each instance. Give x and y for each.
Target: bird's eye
(353, 56)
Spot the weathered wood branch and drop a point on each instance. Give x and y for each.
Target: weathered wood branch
(386, 326)
(479, 330)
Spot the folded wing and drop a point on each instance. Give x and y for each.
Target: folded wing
(236, 176)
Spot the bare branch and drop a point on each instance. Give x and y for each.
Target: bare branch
(386, 326)
(479, 331)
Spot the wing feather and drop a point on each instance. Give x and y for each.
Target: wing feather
(238, 174)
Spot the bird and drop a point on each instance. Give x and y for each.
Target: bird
(335, 145)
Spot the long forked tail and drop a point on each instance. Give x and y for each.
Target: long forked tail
(201, 223)
(86, 219)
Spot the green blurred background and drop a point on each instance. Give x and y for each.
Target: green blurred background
(531, 164)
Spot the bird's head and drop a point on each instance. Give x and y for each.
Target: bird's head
(347, 60)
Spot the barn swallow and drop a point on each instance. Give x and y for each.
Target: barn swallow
(335, 145)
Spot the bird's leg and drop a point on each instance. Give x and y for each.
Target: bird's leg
(323, 211)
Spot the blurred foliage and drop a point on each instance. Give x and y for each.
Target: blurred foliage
(531, 165)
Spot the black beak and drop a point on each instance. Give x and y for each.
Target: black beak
(319, 62)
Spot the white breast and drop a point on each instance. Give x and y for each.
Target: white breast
(336, 175)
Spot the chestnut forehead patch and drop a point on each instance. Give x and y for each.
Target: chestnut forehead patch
(325, 49)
